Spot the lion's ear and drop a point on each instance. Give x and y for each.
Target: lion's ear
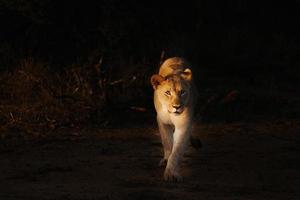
(187, 74)
(156, 80)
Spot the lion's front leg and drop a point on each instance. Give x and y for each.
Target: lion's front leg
(165, 131)
(181, 138)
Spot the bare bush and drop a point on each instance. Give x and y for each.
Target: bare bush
(36, 100)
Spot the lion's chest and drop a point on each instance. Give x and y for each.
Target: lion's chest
(164, 117)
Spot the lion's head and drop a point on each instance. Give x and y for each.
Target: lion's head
(173, 91)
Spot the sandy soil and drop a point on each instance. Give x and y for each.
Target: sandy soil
(237, 161)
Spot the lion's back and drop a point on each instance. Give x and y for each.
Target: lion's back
(173, 65)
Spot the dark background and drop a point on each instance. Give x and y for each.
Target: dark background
(242, 34)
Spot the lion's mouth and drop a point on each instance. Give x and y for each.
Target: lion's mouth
(177, 112)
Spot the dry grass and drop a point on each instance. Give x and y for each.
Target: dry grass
(30, 99)
(36, 100)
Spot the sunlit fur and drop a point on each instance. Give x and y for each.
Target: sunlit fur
(174, 100)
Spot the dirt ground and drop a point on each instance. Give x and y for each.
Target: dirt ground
(258, 160)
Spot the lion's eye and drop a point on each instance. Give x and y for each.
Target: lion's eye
(167, 93)
(182, 92)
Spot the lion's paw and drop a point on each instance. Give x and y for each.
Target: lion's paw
(172, 176)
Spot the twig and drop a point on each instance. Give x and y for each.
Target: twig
(12, 117)
(140, 109)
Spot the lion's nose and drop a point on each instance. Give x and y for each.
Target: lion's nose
(176, 106)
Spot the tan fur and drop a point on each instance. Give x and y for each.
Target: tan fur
(174, 101)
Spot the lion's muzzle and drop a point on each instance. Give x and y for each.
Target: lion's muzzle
(176, 109)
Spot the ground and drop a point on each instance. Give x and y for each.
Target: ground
(253, 160)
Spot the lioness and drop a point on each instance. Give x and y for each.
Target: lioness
(174, 100)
